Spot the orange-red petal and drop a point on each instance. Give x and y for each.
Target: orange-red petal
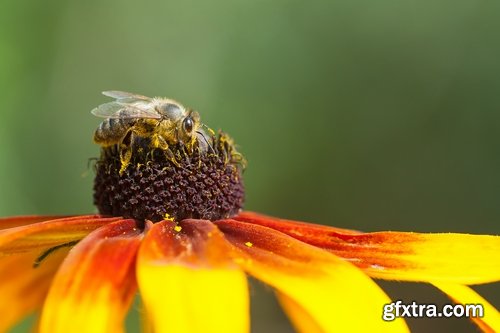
(16, 221)
(50, 233)
(23, 288)
(96, 283)
(320, 292)
(458, 258)
(305, 230)
(188, 282)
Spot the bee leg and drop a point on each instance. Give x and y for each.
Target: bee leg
(239, 159)
(225, 156)
(125, 150)
(198, 149)
(171, 157)
(150, 156)
(191, 145)
(125, 157)
(158, 141)
(189, 148)
(185, 155)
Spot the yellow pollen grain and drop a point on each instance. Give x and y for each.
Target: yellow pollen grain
(178, 228)
(249, 244)
(168, 217)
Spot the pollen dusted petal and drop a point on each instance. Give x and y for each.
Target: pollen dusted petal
(458, 258)
(44, 235)
(322, 293)
(23, 288)
(464, 295)
(95, 285)
(188, 282)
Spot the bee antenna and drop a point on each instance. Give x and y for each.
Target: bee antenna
(208, 143)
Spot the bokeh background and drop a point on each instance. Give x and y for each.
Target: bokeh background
(373, 115)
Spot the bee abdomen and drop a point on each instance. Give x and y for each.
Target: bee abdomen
(112, 130)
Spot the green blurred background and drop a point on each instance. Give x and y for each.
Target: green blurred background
(373, 115)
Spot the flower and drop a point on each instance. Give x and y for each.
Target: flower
(175, 232)
(190, 274)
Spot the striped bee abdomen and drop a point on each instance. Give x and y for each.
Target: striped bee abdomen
(112, 130)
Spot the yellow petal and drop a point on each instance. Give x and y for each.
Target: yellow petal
(96, 283)
(460, 294)
(188, 283)
(323, 292)
(22, 287)
(299, 316)
(457, 258)
(44, 235)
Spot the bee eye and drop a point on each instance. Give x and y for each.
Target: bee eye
(187, 125)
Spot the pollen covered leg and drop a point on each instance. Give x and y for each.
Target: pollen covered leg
(125, 150)
(232, 156)
(125, 157)
(171, 157)
(158, 141)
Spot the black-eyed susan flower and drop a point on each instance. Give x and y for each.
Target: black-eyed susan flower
(174, 232)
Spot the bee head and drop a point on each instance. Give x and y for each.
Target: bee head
(190, 124)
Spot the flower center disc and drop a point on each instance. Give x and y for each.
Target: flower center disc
(156, 186)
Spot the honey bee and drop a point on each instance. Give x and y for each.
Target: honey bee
(164, 122)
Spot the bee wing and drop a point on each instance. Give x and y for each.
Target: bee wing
(117, 109)
(125, 96)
